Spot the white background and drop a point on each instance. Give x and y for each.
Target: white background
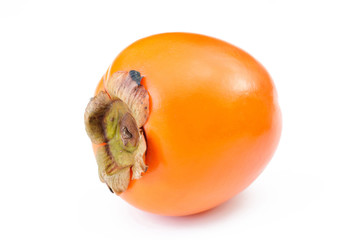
(53, 54)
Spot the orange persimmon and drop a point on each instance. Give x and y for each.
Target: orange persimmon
(213, 125)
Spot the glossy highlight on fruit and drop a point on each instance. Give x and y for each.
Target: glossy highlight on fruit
(213, 124)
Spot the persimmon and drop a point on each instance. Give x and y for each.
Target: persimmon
(181, 122)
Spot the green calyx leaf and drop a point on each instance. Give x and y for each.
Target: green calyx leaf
(109, 122)
(93, 117)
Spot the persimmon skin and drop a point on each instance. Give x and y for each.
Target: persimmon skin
(214, 121)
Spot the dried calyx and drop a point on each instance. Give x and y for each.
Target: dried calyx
(114, 120)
